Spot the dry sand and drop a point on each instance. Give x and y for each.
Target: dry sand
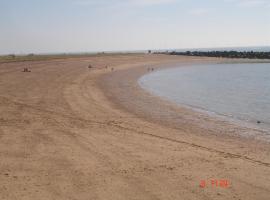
(69, 132)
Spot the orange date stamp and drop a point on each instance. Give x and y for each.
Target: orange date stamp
(222, 183)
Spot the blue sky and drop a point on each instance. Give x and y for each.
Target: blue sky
(50, 26)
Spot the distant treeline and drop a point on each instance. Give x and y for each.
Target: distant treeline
(44, 57)
(224, 54)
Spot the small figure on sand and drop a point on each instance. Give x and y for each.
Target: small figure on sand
(112, 69)
(26, 70)
(90, 66)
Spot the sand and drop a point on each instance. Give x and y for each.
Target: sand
(69, 132)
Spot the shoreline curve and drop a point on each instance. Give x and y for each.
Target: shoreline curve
(123, 89)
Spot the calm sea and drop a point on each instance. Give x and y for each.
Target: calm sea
(236, 91)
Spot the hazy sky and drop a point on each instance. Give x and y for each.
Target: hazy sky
(41, 26)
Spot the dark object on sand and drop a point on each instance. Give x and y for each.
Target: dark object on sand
(112, 69)
(259, 122)
(90, 66)
(26, 70)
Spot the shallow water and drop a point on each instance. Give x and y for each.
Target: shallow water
(237, 91)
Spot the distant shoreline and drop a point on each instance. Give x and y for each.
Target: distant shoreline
(12, 57)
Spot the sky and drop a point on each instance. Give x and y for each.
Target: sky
(63, 26)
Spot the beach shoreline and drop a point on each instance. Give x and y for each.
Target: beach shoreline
(130, 78)
(261, 131)
(71, 132)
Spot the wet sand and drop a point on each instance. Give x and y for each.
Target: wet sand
(69, 132)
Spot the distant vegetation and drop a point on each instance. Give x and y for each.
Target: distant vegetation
(33, 57)
(37, 57)
(224, 54)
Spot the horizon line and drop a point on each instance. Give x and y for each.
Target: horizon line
(135, 51)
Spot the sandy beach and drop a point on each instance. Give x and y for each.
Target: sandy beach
(70, 132)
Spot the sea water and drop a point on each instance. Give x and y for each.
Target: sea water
(237, 91)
